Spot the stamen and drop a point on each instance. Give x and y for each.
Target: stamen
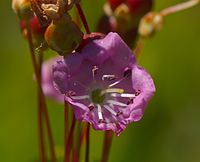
(91, 107)
(130, 101)
(80, 97)
(112, 90)
(113, 102)
(115, 83)
(94, 72)
(100, 115)
(127, 72)
(110, 110)
(108, 77)
(124, 95)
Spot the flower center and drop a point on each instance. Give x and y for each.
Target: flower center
(97, 96)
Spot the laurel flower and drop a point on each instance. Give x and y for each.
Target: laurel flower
(104, 85)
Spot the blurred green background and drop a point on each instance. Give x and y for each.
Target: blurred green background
(170, 128)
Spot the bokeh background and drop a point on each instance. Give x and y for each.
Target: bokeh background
(170, 128)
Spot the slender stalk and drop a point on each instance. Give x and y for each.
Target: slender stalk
(41, 132)
(69, 141)
(40, 118)
(138, 48)
(82, 16)
(78, 144)
(87, 150)
(179, 7)
(41, 94)
(107, 145)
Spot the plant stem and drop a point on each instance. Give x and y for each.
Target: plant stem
(82, 16)
(107, 145)
(87, 151)
(41, 94)
(40, 118)
(179, 7)
(78, 144)
(69, 142)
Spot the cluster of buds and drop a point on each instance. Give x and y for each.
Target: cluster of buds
(123, 17)
(23, 9)
(62, 34)
(50, 23)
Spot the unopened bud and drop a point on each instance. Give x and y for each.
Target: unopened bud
(63, 35)
(150, 23)
(22, 8)
(36, 29)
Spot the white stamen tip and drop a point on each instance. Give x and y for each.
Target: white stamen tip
(100, 115)
(113, 102)
(124, 95)
(110, 110)
(108, 77)
(115, 83)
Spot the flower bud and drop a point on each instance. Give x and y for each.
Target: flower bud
(115, 3)
(63, 35)
(123, 17)
(135, 6)
(22, 8)
(36, 29)
(150, 23)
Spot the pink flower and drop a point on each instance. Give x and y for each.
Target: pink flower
(47, 81)
(104, 85)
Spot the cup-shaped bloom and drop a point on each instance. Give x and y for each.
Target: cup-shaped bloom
(47, 81)
(104, 85)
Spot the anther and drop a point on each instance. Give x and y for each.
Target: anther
(108, 77)
(127, 72)
(130, 101)
(91, 107)
(119, 113)
(94, 71)
(137, 92)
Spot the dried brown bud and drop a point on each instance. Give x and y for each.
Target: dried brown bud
(150, 23)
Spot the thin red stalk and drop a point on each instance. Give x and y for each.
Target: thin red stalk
(107, 145)
(49, 132)
(41, 132)
(69, 142)
(87, 151)
(41, 94)
(76, 152)
(82, 16)
(179, 7)
(40, 118)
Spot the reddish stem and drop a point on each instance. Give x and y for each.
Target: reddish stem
(77, 147)
(107, 145)
(40, 118)
(41, 94)
(69, 141)
(87, 143)
(82, 16)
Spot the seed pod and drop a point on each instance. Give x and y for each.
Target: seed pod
(63, 35)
